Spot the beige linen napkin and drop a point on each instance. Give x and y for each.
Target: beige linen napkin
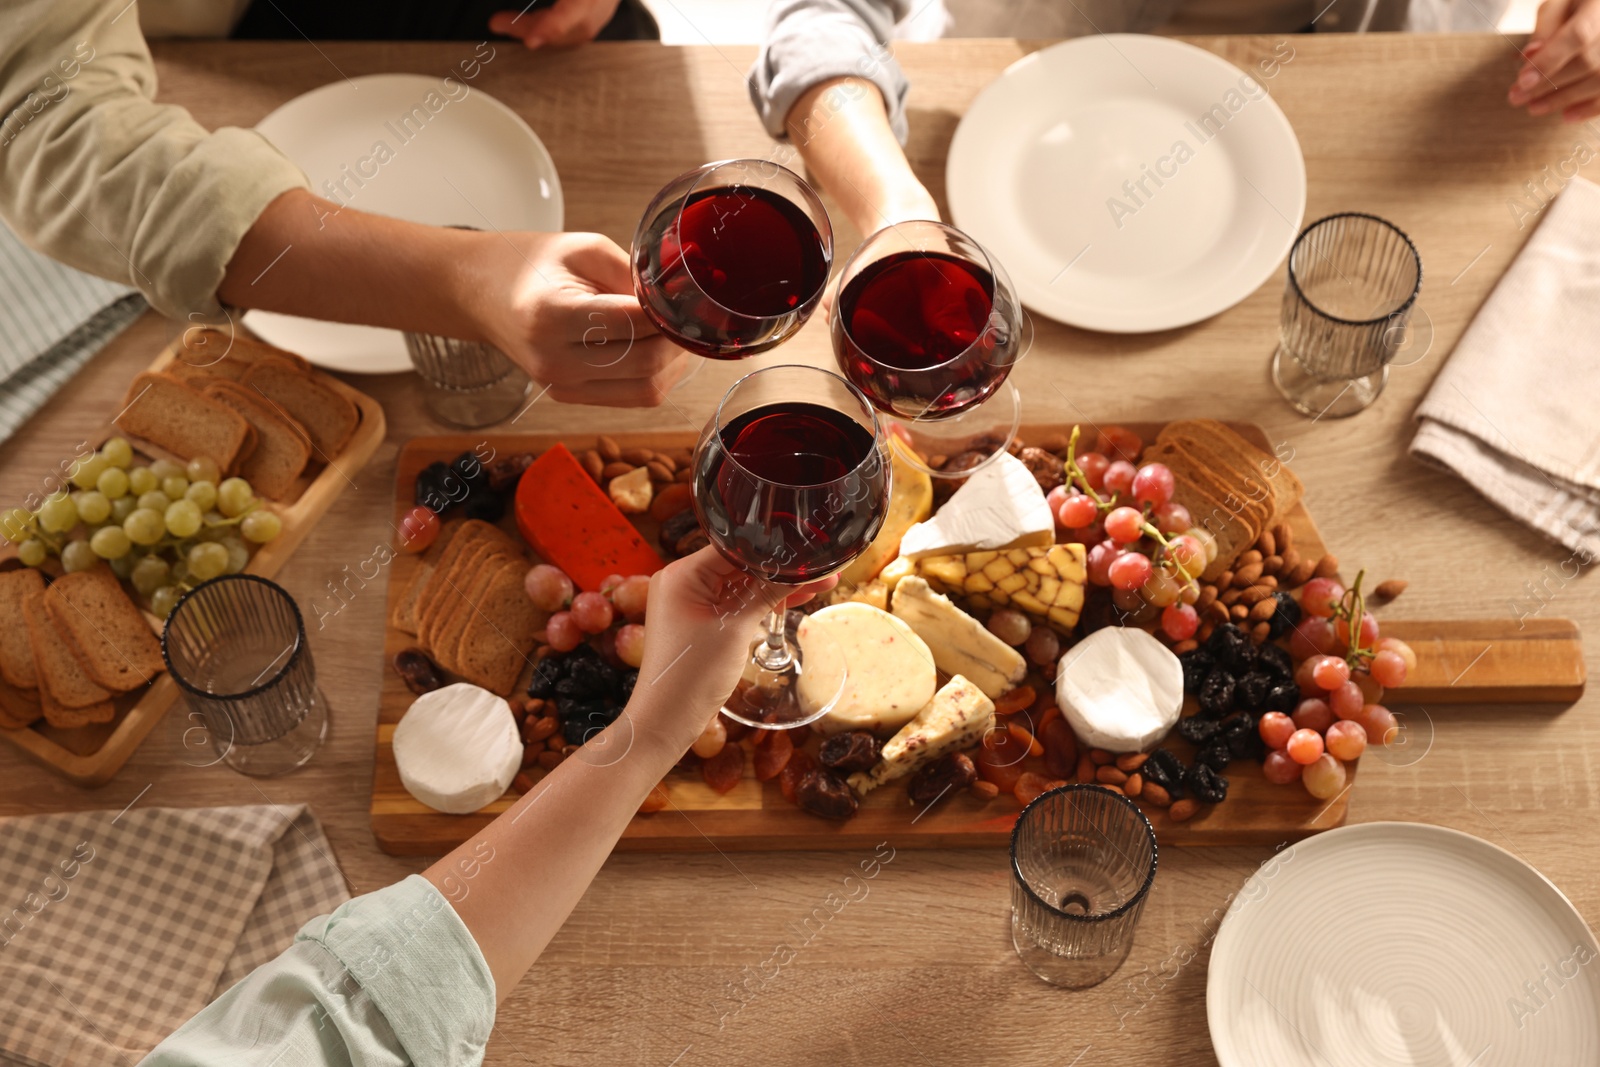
(1516, 410)
(116, 927)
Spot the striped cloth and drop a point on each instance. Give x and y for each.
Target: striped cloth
(53, 319)
(119, 926)
(1513, 411)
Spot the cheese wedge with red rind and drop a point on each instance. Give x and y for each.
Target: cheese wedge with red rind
(573, 525)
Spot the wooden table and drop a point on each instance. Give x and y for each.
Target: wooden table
(661, 963)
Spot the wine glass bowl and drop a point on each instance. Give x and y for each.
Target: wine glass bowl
(791, 482)
(731, 258)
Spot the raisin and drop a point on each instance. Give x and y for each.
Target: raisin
(851, 752)
(1165, 769)
(823, 793)
(1214, 754)
(1251, 691)
(1284, 697)
(1206, 784)
(1197, 730)
(1216, 696)
(504, 473)
(1286, 618)
(723, 771)
(949, 772)
(1275, 662)
(417, 671)
(1197, 664)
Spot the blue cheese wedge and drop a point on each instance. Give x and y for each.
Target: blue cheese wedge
(956, 718)
(999, 507)
(1120, 689)
(457, 748)
(889, 672)
(960, 644)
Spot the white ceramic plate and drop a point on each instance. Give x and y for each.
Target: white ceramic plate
(1037, 168)
(381, 143)
(1402, 945)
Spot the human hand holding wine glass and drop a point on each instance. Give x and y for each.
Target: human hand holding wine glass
(927, 326)
(791, 483)
(731, 258)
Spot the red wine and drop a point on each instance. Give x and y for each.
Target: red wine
(738, 273)
(791, 491)
(915, 332)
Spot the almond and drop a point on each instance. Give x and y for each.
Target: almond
(522, 783)
(1134, 785)
(1327, 566)
(985, 790)
(1246, 575)
(610, 451)
(1155, 794)
(542, 728)
(550, 760)
(1208, 595)
(615, 469)
(1300, 575)
(1261, 632)
(1187, 645)
(1207, 628)
(1231, 597)
(1100, 757)
(684, 474)
(1267, 543)
(1264, 609)
(1117, 789)
(593, 464)
(659, 472)
(1284, 537)
(1239, 611)
(1254, 595)
(1110, 776)
(1183, 810)
(1272, 565)
(1217, 611)
(638, 456)
(1270, 581)
(1224, 579)
(1291, 560)
(1391, 588)
(1085, 768)
(1252, 556)
(1129, 762)
(666, 461)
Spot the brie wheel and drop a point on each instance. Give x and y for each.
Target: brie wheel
(457, 748)
(1120, 689)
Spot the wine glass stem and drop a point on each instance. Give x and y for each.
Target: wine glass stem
(773, 652)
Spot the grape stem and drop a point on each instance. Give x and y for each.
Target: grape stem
(1074, 472)
(1352, 608)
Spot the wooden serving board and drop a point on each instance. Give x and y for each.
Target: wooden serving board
(1546, 658)
(91, 755)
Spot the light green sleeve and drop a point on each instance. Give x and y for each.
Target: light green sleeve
(390, 978)
(97, 175)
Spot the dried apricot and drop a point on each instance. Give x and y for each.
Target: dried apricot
(798, 766)
(999, 760)
(656, 800)
(1010, 703)
(772, 754)
(1029, 786)
(723, 771)
(1060, 748)
(670, 500)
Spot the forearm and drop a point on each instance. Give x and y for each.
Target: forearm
(306, 256)
(842, 131)
(548, 847)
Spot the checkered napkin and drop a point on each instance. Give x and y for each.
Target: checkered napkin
(115, 928)
(1513, 411)
(53, 319)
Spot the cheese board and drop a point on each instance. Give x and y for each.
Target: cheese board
(1542, 662)
(91, 754)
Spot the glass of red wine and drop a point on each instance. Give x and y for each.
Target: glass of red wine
(731, 258)
(791, 483)
(928, 327)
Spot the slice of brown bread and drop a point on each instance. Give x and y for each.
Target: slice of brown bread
(1233, 520)
(498, 639)
(61, 678)
(211, 353)
(1286, 485)
(16, 653)
(465, 536)
(18, 707)
(329, 418)
(104, 630)
(473, 570)
(404, 616)
(282, 448)
(57, 714)
(164, 411)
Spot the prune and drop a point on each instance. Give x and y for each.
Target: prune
(1206, 784)
(546, 673)
(1251, 691)
(1197, 730)
(1275, 662)
(1216, 696)
(824, 793)
(469, 468)
(485, 506)
(571, 688)
(1197, 663)
(595, 677)
(851, 752)
(1286, 617)
(433, 487)
(947, 773)
(1284, 697)
(1214, 754)
(625, 684)
(676, 529)
(1232, 648)
(417, 671)
(1165, 769)
(1243, 737)
(506, 471)
(582, 719)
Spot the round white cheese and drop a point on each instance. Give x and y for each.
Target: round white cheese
(1120, 689)
(888, 670)
(457, 748)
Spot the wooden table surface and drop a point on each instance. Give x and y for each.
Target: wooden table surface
(664, 960)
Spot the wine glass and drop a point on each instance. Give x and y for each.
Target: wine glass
(731, 258)
(928, 326)
(791, 483)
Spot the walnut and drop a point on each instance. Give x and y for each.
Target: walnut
(1046, 469)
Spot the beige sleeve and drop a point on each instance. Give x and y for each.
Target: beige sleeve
(96, 174)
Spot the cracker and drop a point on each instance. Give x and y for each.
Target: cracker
(498, 637)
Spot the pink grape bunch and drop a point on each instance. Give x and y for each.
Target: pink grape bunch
(576, 616)
(1141, 543)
